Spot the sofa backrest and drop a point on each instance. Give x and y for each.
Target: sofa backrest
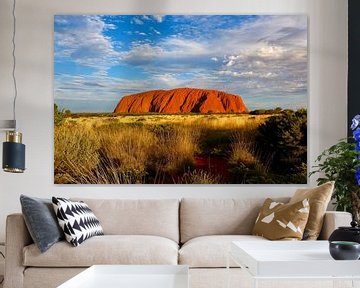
(159, 217)
(200, 217)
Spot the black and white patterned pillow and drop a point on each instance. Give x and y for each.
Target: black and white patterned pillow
(77, 220)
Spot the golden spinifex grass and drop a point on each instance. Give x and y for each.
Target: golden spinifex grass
(153, 148)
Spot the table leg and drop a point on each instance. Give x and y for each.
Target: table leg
(228, 270)
(340, 283)
(355, 283)
(255, 283)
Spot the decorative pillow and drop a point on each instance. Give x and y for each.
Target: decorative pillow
(41, 222)
(279, 221)
(319, 198)
(77, 220)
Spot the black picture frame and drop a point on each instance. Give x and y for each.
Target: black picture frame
(354, 61)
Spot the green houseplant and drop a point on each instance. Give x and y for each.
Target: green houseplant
(341, 163)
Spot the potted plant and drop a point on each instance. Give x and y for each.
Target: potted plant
(341, 163)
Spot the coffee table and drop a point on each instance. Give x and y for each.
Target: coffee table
(292, 260)
(131, 276)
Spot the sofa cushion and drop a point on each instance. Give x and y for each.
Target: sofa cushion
(201, 217)
(319, 198)
(279, 221)
(158, 217)
(211, 251)
(76, 220)
(107, 249)
(41, 221)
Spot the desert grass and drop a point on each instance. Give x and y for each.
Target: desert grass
(209, 121)
(75, 153)
(148, 148)
(176, 149)
(246, 151)
(88, 156)
(128, 147)
(199, 177)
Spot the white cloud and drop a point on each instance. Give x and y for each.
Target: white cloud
(82, 39)
(172, 49)
(248, 74)
(273, 52)
(158, 18)
(60, 20)
(168, 80)
(281, 31)
(142, 54)
(155, 31)
(184, 47)
(140, 33)
(231, 60)
(137, 21)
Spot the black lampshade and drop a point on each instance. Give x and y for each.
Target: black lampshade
(13, 153)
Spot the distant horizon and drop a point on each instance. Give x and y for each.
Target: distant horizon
(98, 59)
(98, 111)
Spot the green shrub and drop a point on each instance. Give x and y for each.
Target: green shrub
(277, 110)
(285, 136)
(59, 115)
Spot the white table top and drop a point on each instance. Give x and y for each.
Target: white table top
(291, 259)
(131, 276)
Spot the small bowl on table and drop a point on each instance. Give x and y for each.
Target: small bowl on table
(344, 250)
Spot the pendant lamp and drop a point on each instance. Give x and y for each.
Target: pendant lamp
(13, 160)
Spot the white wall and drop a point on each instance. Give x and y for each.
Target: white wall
(327, 89)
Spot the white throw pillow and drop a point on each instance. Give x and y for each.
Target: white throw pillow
(76, 220)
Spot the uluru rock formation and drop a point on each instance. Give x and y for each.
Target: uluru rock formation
(181, 100)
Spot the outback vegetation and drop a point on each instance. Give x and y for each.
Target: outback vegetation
(258, 147)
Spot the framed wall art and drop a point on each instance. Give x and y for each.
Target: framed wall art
(180, 99)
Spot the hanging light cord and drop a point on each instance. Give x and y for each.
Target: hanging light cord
(14, 58)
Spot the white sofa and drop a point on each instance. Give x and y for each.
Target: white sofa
(194, 232)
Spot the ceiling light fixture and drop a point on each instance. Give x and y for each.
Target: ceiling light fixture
(13, 149)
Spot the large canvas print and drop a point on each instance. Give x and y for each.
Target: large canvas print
(180, 99)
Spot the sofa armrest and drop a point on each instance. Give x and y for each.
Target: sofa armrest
(17, 237)
(333, 220)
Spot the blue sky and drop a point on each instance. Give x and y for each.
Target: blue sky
(100, 58)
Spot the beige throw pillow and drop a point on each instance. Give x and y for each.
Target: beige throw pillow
(279, 221)
(319, 198)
